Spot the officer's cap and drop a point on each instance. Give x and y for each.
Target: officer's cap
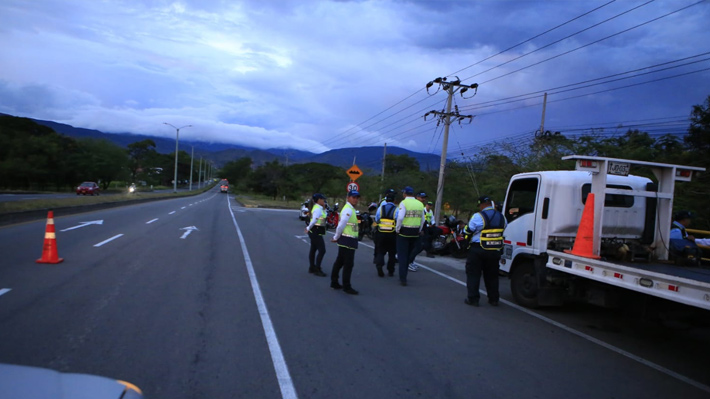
(354, 194)
(680, 215)
(408, 190)
(484, 199)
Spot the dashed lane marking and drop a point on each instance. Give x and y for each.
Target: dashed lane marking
(109, 240)
(5, 290)
(151, 221)
(171, 212)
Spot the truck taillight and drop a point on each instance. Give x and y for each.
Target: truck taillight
(584, 163)
(682, 173)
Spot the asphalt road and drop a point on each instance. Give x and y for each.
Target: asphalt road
(7, 197)
(228, 310)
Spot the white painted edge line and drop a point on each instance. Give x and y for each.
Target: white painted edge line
(580, 334)
(151, 221)
(288, 391)
(5, 290)
(171, 212)
(109, 240)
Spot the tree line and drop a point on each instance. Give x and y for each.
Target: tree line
(35, 157)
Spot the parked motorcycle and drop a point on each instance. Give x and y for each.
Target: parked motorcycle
(365, 221)
(332, 218)
(448, 242)
(304, 213)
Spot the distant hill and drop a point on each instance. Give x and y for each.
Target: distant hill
(367, 158)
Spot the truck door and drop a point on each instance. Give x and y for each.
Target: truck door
(521, 204)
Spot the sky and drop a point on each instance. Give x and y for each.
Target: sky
(318, 75)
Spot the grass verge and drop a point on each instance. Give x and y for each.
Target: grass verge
(263, 201)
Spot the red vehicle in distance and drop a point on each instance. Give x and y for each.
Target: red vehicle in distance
(88, 187)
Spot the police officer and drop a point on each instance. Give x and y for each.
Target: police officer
(386, 239)
(316, 231)
(346, 237)
(409, 222)
(421, 243)
(486, 228)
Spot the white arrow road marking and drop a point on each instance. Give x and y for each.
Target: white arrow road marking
(302, 238)
(187, 232)
(83, 224)
(109, 240)
(151, 221)
(171, 213)
(4, 290)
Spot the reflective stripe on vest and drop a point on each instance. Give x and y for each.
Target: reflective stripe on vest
(492, 233)
(387, 222)
(413, 211)
(349, 237)
(429, 217)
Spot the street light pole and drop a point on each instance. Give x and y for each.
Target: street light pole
(199, 175)
(192, 157)
(177, 138)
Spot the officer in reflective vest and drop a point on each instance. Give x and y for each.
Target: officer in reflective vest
(386, 239)
(346, 236)
(683, 246)
(410, 219)
(486, 228)
(316, 231)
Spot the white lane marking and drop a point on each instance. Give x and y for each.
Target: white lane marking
(5, 290)
(580, 334)
(151, 221)
(288, 391)
(171, 212)
(189, 230)
(109, 240)
(190, 205)
(84, 224)
(183, 207)
(302, 238)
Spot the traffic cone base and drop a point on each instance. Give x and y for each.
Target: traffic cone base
(49, 249)
(584, 242)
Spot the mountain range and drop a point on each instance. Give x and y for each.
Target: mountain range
(367, 158)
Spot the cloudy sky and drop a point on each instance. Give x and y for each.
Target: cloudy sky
(316, 75)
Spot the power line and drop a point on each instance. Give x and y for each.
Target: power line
(594, 42)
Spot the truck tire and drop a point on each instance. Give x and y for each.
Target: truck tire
(524, 286)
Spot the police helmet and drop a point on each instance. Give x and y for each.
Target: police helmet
(318, 196)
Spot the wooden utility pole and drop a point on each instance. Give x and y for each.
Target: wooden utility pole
(382, 179)
(451, 88)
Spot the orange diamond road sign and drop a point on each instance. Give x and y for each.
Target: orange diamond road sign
(354, 172)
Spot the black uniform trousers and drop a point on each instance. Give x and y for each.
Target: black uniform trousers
(405, 246)
(345, 261)
(482, 261)
(317, 246)
(386, 244)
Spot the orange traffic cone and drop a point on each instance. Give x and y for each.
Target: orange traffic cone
(584, 243)
(49, 250)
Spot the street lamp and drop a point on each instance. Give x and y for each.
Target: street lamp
(177, 137)
(191, 158)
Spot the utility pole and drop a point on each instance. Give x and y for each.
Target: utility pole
(191, 159)
(542, 123)
(177, 137)
(450, 88)
(382, 179)
(199, 175)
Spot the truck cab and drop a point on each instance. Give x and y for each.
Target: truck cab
(632, 218)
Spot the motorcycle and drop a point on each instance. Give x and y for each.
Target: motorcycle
(131, 189)
(304, 213)
(448, 241)
(332, 218)
(365, 226)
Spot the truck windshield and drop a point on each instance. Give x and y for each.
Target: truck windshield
(521, 198)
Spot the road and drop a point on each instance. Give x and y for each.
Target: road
(200, 298)
(7, 197)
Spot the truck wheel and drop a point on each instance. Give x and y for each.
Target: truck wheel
(523, 285)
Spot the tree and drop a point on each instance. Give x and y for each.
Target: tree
(101, 161)
(238, 171)
(140, 153)
(699, 131)
(400, 163)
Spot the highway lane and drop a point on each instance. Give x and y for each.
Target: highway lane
(178, 317)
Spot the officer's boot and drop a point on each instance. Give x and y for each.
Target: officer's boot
(319, 272)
